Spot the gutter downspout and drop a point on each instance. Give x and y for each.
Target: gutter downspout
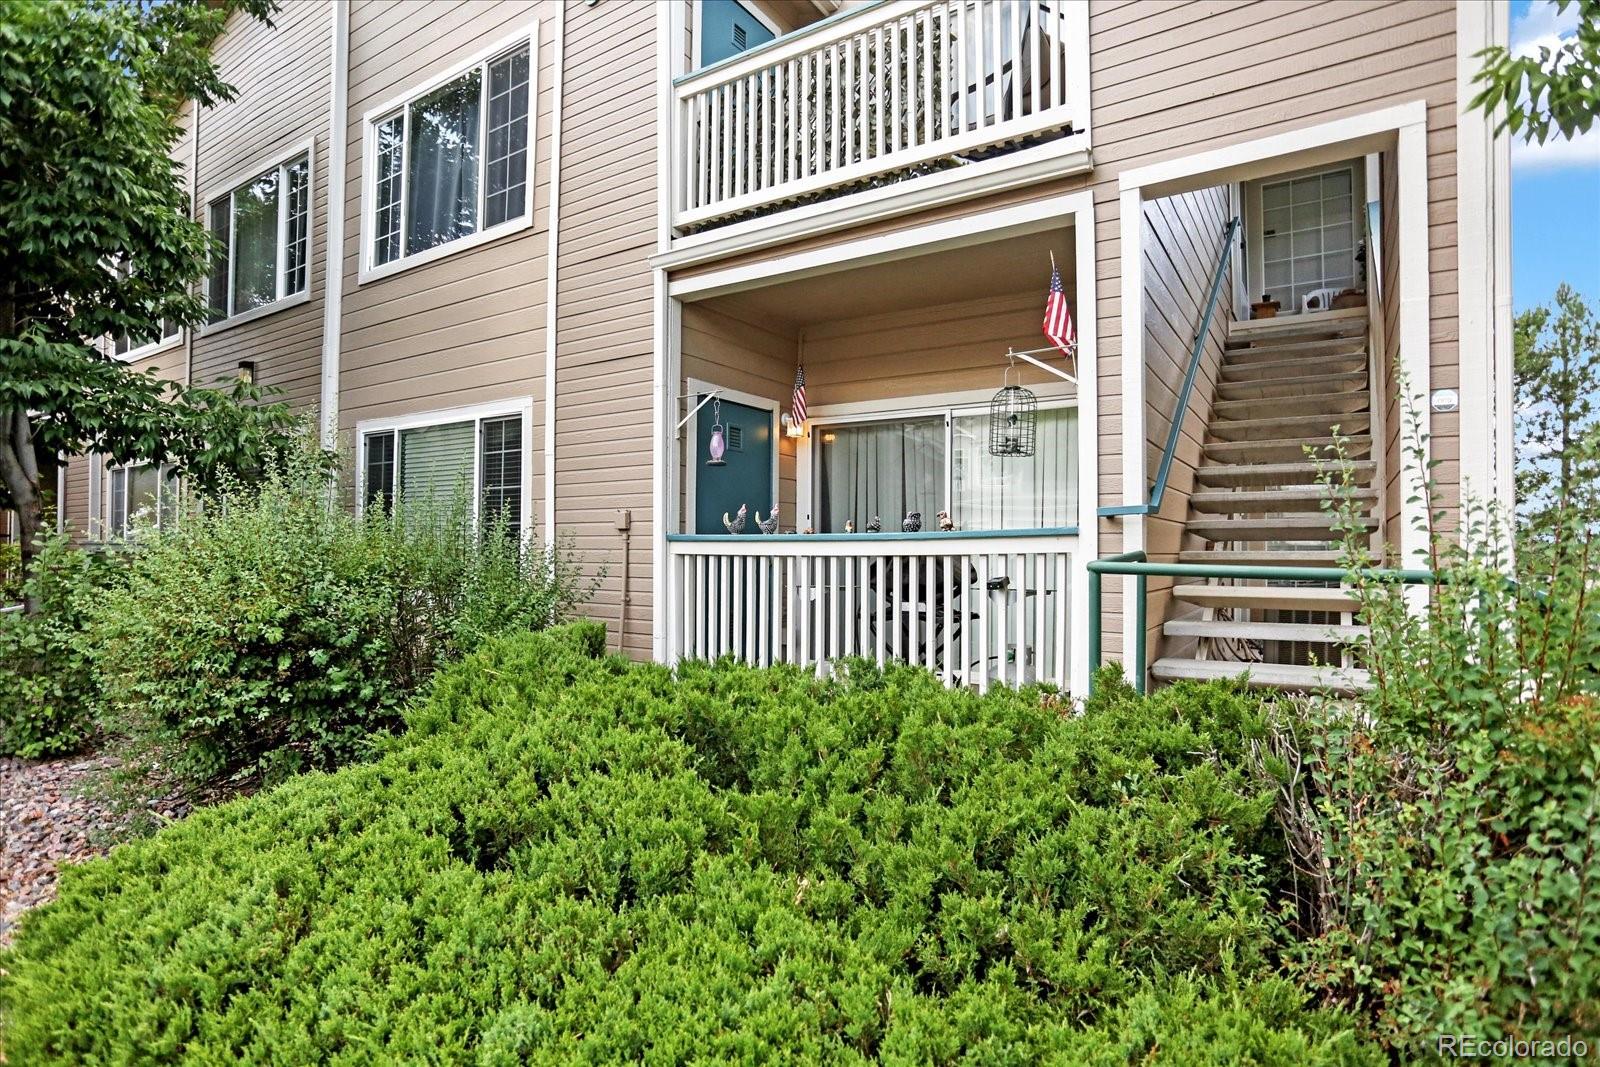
(194, 209)
(553, 231)
(333, 257)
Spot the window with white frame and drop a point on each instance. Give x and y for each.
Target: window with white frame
(452, 160)
(939, 460)
(1308, 234)
(139, 494)
(263, 225)
(127, 346)
(479, 458)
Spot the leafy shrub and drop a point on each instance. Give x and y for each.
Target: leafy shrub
(271, 631)
(569, 859)
(1447, 827)
(47, 690)
(10, 573)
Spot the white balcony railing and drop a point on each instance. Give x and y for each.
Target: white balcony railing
(874, 92)
(974, 609)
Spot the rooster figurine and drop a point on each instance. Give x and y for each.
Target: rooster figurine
(944, 522)
(875, 526)
(735, 525)
(768, 525)
(913, 522)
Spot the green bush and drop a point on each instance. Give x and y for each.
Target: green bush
(47, 687)
(570, 859)
(270, 631)
(1447, 827)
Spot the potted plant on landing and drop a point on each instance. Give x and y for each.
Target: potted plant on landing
(1265, 308)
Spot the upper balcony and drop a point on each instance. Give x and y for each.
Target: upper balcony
(876, 101)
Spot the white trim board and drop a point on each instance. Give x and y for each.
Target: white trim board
(982, 228)
(1403, 129)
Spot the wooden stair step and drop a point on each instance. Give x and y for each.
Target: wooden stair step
(1298, 367)
(1294, 385)
(1317, 527)
(1298, 344)
(1261, 474)
(1302, 426)
(1270, 501)
(1348, 400)
(1330, 633)
(1282, 450)
(1263, 557)
(1269, 597)
(1289, 328)
(1265, 675)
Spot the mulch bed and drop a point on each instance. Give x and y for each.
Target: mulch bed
(49, 816)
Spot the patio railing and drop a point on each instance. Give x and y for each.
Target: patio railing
(976, 609)
(871, 92)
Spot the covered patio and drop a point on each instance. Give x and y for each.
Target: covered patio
(897, 513)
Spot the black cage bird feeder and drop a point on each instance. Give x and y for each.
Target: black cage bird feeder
(1012, 414)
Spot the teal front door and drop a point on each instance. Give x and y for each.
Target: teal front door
(727, 28)
(745, 476)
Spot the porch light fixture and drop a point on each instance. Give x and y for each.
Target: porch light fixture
(793, 427)
(1012, 414)
(718, 446)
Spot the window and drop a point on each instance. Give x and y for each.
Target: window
(481, 458)
(941, 462)
(139, 493)
(452, 161)
(126, 346)
(1308, 231)
(264, 227)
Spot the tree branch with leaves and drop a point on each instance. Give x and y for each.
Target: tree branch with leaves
(1554, 92)
(98, 240)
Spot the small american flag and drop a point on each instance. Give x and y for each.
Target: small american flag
(799, 403)
(1058, 318)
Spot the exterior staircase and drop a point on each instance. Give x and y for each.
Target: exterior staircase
(1283, 386)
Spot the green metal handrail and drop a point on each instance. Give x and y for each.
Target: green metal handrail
(1196, 348)
(1135, 564)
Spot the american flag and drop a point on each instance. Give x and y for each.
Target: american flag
(1058, 318)
(798, 405)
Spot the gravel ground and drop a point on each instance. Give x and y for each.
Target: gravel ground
(49, 818)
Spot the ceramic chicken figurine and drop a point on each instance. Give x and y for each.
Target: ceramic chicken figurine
(944, 522)
(768, 525)
(735, 525)
(913, 522)
(849, 526)
(874, 526)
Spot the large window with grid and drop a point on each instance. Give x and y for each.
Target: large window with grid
(264, 229)
(478, 458)
(453, 160)
(1308, 235)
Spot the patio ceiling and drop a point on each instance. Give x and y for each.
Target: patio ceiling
(995, 268)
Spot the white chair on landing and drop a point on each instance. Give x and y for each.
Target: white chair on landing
(1318, 300)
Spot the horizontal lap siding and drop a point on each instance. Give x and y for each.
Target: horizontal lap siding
(605, 328)
(757, 359)
(1173, 80)
(468, 328)
(1182, 240)
(282, 75)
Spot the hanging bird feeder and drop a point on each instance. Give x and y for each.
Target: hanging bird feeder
(1012, 414)
(718, 446)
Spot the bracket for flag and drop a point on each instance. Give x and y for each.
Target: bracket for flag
(1031, 356)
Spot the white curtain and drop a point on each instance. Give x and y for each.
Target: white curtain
(1016, 492)
(442, 183)
(882, 469)
(255, 243)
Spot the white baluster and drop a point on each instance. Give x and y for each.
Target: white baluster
(927, 77)
(985, 610)
(1033, 57)
(1062, 615)
(963, 109)
(997, 58)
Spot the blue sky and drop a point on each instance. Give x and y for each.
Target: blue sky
(1555, 188)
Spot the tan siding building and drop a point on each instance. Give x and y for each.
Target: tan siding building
(722, 193)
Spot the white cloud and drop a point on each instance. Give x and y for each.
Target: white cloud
(1544, 27)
